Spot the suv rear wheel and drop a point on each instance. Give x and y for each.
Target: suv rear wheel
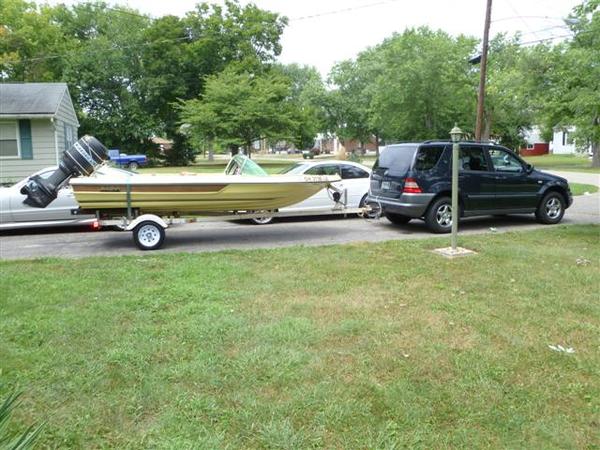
(396, 219)
(551, 209)
(439, 216)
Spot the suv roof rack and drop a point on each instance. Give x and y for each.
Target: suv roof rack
(445, 141)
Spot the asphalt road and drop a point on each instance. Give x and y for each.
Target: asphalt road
(214, 236)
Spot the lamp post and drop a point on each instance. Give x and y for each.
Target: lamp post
(455, 134)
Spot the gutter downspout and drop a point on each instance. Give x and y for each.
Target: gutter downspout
(54, 123)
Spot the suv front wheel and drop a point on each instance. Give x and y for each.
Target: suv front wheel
(551, 209)
(439, 216)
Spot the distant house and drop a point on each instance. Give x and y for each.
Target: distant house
(535, 145)
(563, 142)
(37, 123)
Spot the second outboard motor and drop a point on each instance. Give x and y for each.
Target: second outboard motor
(81, 159)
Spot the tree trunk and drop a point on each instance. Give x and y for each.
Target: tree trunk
(249, 149)
(595, 154)
(376, 144)
(488, 127)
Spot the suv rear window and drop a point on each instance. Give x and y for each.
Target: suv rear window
(397, 158)
(428, 157)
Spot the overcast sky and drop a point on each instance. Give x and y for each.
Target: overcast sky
(322, 32)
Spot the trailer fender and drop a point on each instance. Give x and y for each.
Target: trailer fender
(151, 217)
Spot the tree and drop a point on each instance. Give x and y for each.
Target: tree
(307, 97)
(103, 73)
(238, 108)
(125, 71)
(425, 85)
(566, 80)
(583, 82)
(352, 102)
(182, 53)
(508, 107)
(29, 38)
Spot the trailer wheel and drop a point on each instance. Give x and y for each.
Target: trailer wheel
(261, 220)
(148, 235)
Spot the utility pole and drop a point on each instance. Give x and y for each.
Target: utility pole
(482, 72)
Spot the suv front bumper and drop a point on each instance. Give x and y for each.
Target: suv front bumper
(411, 205)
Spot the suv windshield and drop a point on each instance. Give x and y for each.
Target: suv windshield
(397, 158)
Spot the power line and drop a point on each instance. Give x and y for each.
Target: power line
(545, 29)
(64, 55)
(503, 19)
(551, 38)
(343, 10)
(508, 2)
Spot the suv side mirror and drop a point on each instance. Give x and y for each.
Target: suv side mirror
(528, 168)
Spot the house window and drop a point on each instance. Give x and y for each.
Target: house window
(570, 140)
(529, 145)
(9, 140)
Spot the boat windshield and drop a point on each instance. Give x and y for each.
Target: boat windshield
(242, 165)
(297, 168)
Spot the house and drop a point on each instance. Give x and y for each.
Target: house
(535, 145)
(37, 123)
(563, 142)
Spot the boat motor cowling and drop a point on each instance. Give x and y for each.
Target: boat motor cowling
(82, 158)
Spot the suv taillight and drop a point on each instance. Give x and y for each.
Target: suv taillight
(411, 186)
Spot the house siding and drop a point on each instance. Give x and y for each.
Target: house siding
(44, 154)
(47, 139)
(65, 117)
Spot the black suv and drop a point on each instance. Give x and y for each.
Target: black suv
(414, 181)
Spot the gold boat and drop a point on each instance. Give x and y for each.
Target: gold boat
(243, 187)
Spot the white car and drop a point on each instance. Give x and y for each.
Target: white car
(15, 214)
(355, 180)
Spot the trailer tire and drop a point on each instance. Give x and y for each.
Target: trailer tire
(148, 235)
(261, 220)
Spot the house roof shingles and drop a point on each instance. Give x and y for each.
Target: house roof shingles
(30, 98)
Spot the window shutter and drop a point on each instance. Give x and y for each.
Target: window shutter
(25, 137)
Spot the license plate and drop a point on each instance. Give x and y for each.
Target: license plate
(386, 185)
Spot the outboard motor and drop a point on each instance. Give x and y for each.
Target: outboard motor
(81, 159)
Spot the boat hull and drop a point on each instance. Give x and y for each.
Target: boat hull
(189, 193)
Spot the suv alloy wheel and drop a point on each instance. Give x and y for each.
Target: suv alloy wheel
(439, 215)
(551, 209)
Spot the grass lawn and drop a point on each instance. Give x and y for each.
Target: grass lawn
(356, 346)
(580, 189)
(573, 163)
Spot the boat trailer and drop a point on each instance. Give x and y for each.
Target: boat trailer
(149, 230)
